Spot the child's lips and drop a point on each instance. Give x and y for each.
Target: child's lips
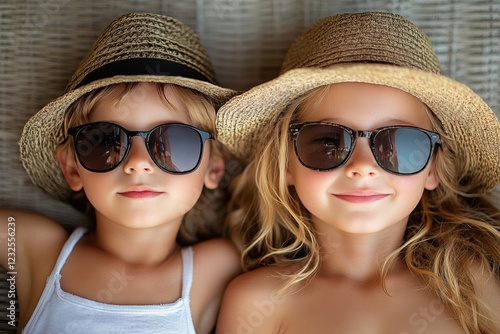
(361, 197)
(140, 192)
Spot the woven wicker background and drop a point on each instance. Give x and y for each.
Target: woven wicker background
(42, 42)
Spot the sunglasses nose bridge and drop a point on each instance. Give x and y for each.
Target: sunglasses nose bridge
(356, 134)
(143, 134)
(369, 135)
(137, 156)
(132, 134)
(364, 134)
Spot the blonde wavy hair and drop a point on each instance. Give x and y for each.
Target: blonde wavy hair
(204, 220)
(451, 232)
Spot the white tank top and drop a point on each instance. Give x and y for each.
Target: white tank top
(58, 311)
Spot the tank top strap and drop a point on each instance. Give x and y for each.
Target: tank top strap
(68, 248)
(187, 271)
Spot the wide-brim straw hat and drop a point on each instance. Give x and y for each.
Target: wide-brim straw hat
(136, 47)
(376, 48)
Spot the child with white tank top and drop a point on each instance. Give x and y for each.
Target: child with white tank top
(141, 268)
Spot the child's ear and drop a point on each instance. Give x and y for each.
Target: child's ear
(432, 180)
(215, 171)
(68, 164)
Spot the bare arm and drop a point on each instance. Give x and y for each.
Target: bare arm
(29, 246)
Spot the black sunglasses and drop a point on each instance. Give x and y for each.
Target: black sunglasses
(401, 150)
(175, 148)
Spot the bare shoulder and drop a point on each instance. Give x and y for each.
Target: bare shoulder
(252, 303)
(217, 256)
(216, 263)
(36, 241)
(261, 280)
(28, 218)
(216, 247)
(487, 286)
(36, 235)
(252, 288)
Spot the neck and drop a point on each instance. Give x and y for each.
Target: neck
(144, 246)
(358, 257)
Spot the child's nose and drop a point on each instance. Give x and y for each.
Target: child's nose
(362, 163)
(138, 159)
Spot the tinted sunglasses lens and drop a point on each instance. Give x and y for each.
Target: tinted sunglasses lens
(402, 150)
(176, 148)
(322, 147)
(101, 146)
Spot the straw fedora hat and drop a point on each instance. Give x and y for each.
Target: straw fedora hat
(376, 48)
(136, 47)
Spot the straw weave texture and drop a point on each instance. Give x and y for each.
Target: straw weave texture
(182, 47)
(43, 41)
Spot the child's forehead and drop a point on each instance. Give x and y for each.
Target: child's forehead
(363, 106)
(141, 103)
